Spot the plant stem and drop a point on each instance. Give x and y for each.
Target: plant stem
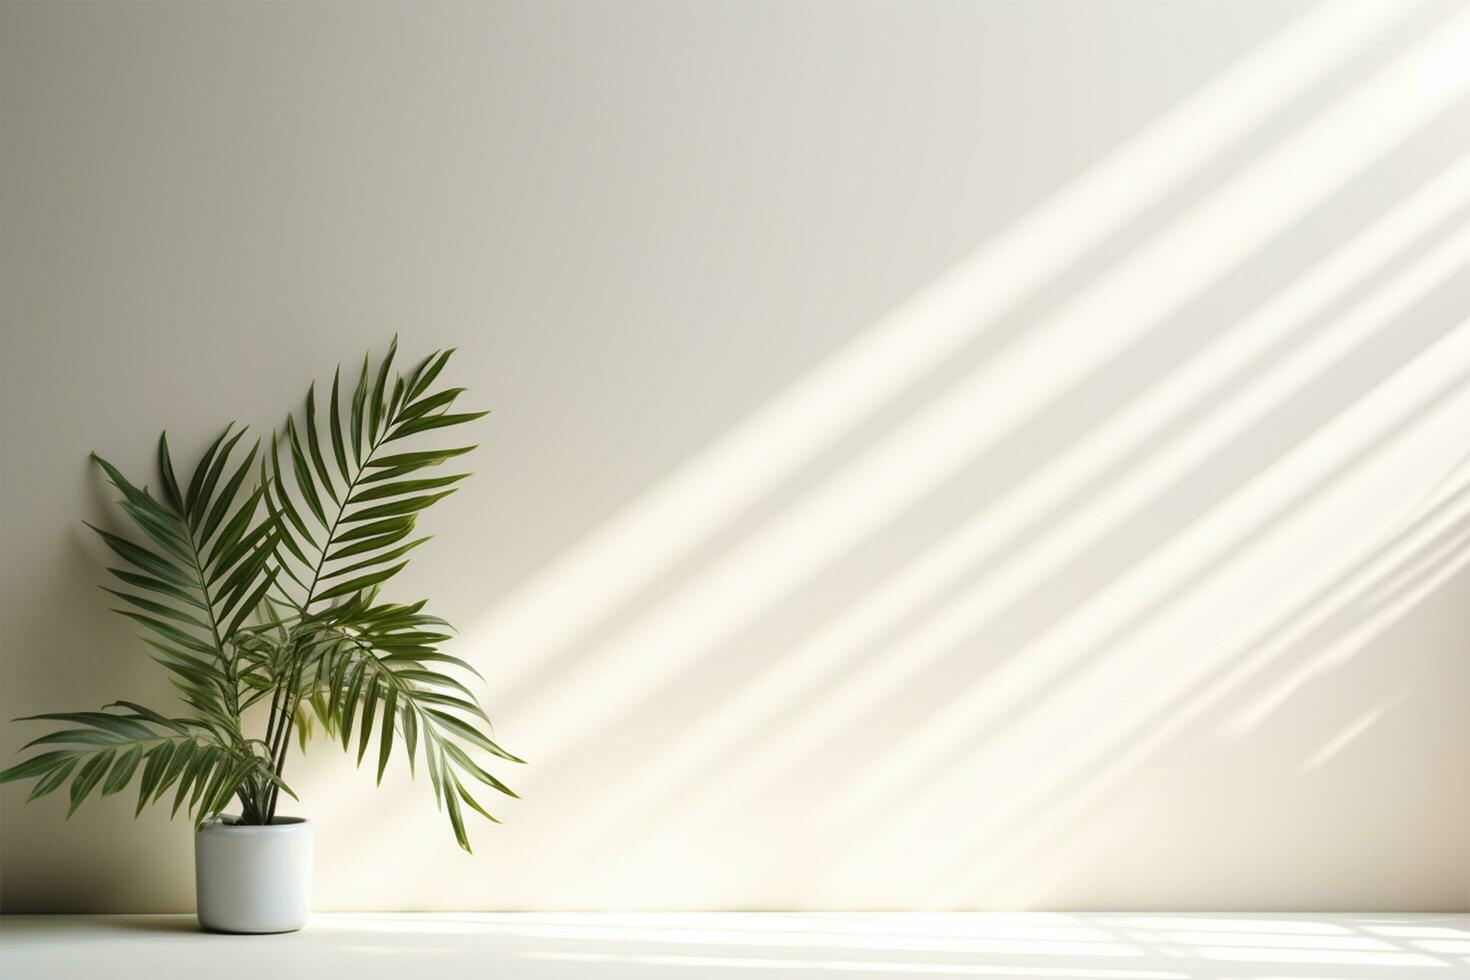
(279, 741)
(278, 757)
(246, 791)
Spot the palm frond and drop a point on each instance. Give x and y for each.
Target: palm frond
(365, 508)
(108, 748)
(201, 570)
(379, 677)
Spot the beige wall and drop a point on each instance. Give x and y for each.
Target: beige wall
(986, 455)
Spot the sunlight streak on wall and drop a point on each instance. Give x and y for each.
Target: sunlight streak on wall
(1065, 728)
(1248, 405)
(1031, 851)
(774, 694)
(1351, 732)
(1040, 854)
(620, 557)
(1150, 284)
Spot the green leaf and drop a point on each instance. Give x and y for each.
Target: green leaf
(238, 581)
(305, 485)
(349, 706)
(150, 715)
(429, 422)
(141, 557)
(278, 782)
(303, 727)
(196, 483)
(426, 378)
(138, 498)
(194, 768)
(278, 518)
(428, 457)
(251, 603)
(158, 608)
(338, 447)
(378, 406)
(283, 498)
(182, 753)
(469, 733)
(314, 445)
(52, 780)
(226, 784)
(227, 495)
(155, 761)
(464, 794)
(216, 469)
(435, 655)
(397, 400)
(73, 736)
(36, 765)
(157, 585)
(358, 584)
(160, 534)
(450, 701)
(373, 544)
(204, 777)
(431, 677)
(410, 736)
(359, 399)
(122, 772)
(166, 473)
(385, 739)
(170, 632)
(116, 724)
(376, 559)
(432, 763)
(396, 508)
(87, 778)
(423, 406)
(404, 524)
(369, 709)
(233, 543)
(402, 487)
(392, 473)
(456, 820)
(470, 766)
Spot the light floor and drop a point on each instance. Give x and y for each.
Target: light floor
(750, 946)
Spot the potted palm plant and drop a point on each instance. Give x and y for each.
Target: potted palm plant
(257, 585)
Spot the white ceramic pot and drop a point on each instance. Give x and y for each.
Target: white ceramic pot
(253, 878)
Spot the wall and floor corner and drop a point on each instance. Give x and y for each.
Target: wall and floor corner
(964, 456)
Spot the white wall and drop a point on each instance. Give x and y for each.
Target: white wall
(982, 455)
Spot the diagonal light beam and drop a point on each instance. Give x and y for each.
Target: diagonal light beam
(1095, 740)
(851, 388)
(992, 402)
(1031, 856)
(1033, 671)
(1248, 407)
(1041, 502)
(1134, 725)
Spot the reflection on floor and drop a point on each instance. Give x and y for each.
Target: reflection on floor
(749, 946)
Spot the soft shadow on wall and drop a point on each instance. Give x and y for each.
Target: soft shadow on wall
(1032, 548)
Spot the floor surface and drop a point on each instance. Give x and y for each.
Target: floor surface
(749, 946)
